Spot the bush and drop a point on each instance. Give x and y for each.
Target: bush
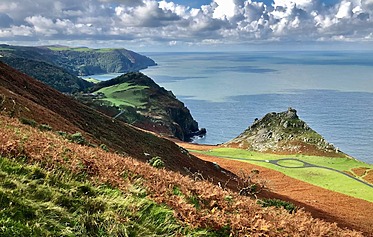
(156, 162)
(27, 121)
(104, 147)
(45, 127)
(77, 138)
(290, 207)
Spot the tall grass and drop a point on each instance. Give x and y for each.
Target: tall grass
(36, 202)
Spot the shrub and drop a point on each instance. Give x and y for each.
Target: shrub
(156, 162)
(290, 207)
(27, 121)
(104, 147)
(45, 127)
(77, 138)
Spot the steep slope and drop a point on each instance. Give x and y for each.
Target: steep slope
(54, 76)
(144, 104)
(24, 97)
(283, 133)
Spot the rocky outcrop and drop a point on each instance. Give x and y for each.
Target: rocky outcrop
(283, 133)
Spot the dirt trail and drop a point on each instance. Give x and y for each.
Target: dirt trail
(346, 211)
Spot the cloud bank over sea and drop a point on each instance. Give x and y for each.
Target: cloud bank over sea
(149, 22)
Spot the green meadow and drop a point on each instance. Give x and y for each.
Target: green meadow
(93, 80)
(317, 176)
(125, 94)
(81, 49)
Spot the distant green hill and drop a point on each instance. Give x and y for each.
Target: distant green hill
(54, 76)
(60, 66)
(81, 61)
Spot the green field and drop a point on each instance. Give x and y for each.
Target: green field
(125, 94)
(320, 177)
(6, 49)
(93, 80)
(81, 49)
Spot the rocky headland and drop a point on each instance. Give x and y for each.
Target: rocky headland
(283, 133)
(136, 99)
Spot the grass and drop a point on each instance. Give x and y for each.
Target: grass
(81, 49)
(6, 49)
(93, 80)
(36, 202)
(125, 94)
(320, 177)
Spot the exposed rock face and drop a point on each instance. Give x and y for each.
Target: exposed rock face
(283, 133)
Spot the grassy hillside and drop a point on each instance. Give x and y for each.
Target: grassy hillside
(38, 202)
(81, 61)
(321, 177)
(54, 76)
(143, 103)
(125, 94)
(116, 199)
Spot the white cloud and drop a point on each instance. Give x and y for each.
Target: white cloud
(345, 10)
(224, 9)
(165, 22)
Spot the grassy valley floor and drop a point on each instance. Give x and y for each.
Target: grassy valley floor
(346, 210)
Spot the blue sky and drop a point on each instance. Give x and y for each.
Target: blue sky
(150, 25)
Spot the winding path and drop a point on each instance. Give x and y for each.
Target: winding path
(346, 211)
(303, 165)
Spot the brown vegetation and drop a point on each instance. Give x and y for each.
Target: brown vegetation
(321, 203)
(24, 97)
(369, 176)
(217, 208)
(361, 171)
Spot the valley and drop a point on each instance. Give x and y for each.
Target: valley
(116, 133)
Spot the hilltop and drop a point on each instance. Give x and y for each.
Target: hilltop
(136, 99)
(283, 133)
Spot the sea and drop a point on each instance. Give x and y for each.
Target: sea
(225, 91)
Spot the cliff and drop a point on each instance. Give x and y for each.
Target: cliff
(140, 101)
(283, 133)
(80, 61)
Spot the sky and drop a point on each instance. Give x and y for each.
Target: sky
(179, 25)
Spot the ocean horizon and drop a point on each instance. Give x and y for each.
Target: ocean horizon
(332, 92)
